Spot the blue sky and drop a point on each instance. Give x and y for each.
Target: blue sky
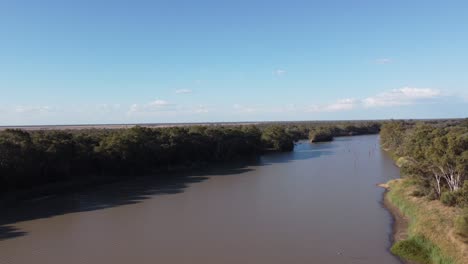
(72, 62)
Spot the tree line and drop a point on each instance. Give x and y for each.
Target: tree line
(38, 157)
(434, 155)
(319, 131)
(32, 158)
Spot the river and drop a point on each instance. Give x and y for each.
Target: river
(317, 204)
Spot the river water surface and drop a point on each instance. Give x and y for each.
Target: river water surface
(318, 204)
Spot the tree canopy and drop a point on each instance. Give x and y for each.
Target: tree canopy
(436, 154)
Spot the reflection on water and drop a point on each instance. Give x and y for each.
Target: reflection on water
(318, 204)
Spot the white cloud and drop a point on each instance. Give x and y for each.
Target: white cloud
(183, 91)
(154, 106)
(395, 97)
(339, 105)
(287, 108)
(199, 109)
(107, 108)
(279, 72)
(159, 103)
(402, 96)
(383, 61)
(162, 107)
(342, 104)
(33, 109)
(244, 109)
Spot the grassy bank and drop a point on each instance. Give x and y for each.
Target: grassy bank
(430, 235)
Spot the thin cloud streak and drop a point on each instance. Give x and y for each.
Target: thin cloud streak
(161, 107)
(157, 105)
(34, 109)
(339, 105)
(279, 72)
(183, 91)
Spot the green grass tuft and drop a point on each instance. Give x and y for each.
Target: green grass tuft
(420, 250)
(412, 249)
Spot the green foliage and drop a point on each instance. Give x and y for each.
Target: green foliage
(461, 224)
(33, 158)
(321, 135)
(328, 132)
(412, 249)
(39, 157)
(392, 135)
(276, 137)
(436, 161)
(456, 198)
(462, 196)
(435, 153)
(418, 193)
(448, 198)
(420, 250)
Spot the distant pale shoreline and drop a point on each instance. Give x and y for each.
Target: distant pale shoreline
(119, 126)
(161, 125)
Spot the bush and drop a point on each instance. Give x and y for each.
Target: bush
(462, 197)
(461, 224)
(320, 136)
(449, 198)
(412, 249)
(418, 193)
(457, 198)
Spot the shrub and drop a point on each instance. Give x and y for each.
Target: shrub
(412, 249)
(461, 224)
(457, 198)
(449, 198)
(418, 193)
(462, 197)
(322, 135)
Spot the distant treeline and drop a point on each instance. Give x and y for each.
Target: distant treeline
(33, 158)
(29, 159)
(326, 131)
(329, 132)
(434, 154)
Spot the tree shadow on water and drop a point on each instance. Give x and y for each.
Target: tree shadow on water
(119, 193)
(10, 232)
(137, 190)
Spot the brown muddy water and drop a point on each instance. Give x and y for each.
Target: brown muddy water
(318, 204)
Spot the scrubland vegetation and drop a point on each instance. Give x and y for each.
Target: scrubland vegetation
(433, 193)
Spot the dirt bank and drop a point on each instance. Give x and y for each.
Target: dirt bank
(400, 223)
(426, 222)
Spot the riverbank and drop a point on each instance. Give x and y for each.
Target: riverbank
(423, 229)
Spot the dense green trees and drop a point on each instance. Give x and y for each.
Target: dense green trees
(33, 158)
(392, 135)
(320, 135)
(328, 132)
(275, 137)
(436, 155)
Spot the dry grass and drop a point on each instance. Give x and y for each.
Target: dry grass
(430, 220)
